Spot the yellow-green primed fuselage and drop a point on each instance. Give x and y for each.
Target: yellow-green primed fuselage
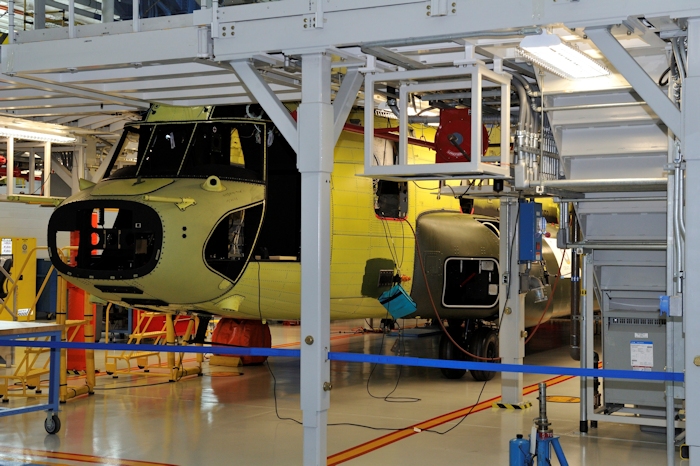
(207, 221)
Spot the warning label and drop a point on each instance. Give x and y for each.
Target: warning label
(642, 355)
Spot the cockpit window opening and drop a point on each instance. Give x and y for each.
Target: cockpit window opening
(233, 240)
(165, 151)
(228, 149)
(114, 239)
(134, 140)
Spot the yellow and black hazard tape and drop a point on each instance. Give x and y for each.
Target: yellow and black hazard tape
(523, 405)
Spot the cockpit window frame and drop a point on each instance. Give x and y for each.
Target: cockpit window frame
(260, 174)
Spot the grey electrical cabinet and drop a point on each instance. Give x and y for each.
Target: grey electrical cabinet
(634, 341)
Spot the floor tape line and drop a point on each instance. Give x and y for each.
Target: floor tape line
(79, 457)
(393, 437)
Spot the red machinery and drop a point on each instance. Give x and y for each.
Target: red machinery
(453, 138)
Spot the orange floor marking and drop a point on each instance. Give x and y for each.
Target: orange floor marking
(78, 457)
(388, 439)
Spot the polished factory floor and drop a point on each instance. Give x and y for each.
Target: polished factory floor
(228, 416)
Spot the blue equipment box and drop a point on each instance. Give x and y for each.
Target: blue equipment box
(531, 227)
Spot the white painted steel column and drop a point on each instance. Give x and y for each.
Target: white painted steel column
(10, 180)
(107, 11)
(11, 21)
(315, 160)
(39, 14)
(30, 174)
(690, 144)
(71, 19)
(136, 21)
(512, 317)
(46, 178)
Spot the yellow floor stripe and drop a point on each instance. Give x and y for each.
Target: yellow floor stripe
(429, 424)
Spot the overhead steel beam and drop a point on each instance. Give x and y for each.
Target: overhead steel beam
(262, 92)
(63, 101)
(131, 73)
(26, 113)
(344, 100)
(637, 77)
(203, 92)
(70, 90)
(394, 58)
(167, 82)
(124, 49)
(283, 97)
(283, 22)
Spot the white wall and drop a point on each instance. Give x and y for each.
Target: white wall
(27, 221)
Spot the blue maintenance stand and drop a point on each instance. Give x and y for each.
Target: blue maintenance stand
(16, 330)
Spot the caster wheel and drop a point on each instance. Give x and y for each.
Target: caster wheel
(110, 373)
(5, 400)
(115, 376)
(38, 392)
(31, 387)
(141, 367)
(147, 370)
(52, 424)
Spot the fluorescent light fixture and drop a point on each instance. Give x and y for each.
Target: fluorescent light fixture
(35, 136)
(550, 53)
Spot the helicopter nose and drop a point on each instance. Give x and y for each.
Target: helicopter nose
(115, 239)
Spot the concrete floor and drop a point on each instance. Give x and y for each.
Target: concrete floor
(228, 416)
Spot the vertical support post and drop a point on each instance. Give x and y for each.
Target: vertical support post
(505, 125)
(54, 375)
(11, 21)
(200, 356)
(672, 262)
(46, 192)
(587, 333)
(315, 159)
(403, 124)
(585, 350)
(71, 19)
(369, 119)
(477, 143)
(89, 337)
(135, 15)
(61, 313)
(690, 140)
(170, 341)
(30, 175)
(10, 166)
(107, 11)
(512, 315)
(39, 14)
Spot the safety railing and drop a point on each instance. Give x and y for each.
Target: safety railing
(75, 15)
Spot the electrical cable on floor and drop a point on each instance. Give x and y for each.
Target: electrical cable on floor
(478, 400)
(388, 398)
(130, 386)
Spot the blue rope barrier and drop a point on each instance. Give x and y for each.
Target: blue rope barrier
(493, 367)
(360, 358)
(227, 350)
